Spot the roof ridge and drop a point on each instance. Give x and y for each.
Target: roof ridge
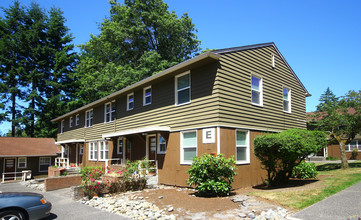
(246, 47)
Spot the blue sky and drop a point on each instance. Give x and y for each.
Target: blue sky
(319, 39)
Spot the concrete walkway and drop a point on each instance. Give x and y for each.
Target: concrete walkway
(343, 205)
(63, 206)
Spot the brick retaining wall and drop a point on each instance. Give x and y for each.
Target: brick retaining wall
(61, 182)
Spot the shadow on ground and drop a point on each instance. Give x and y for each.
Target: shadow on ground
(289, 184)
(335, 166)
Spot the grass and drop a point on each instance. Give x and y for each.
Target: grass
(333, 180)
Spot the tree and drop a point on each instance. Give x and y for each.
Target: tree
(341, 118)
(140, 38)
(36, 68)
(280, 152)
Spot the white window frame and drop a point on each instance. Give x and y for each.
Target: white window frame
(158, 145)
(176, 88)
(21, 167)
(260, 90)
(102, 146)
(358, 146)
(118, 149)
(145, 95)
(247, 146)
(289, 100)
(130, 94)
(44, 164)
(90, 119)
(183, 147)
(273, 60)
(94, 150)
(71, 122)
(77, 119)
(111, 112)
(62, 126)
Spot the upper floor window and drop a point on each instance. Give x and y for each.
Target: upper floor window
(183, 88)
(130, 101)
(77, 118)
(120, 145)
(62, 125)
(257, 94)
(286, 100)
(147, 95)
(188, 146)
(109, 114)
(273, 60)
(162, 145)
(70, 122)
(242, 147)
(103, 150)
(93, 151)
(89, 118)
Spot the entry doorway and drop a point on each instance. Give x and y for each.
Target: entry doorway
(151, 147)
(9, 167)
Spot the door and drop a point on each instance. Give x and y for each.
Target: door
(9, 167)
(128, 150)
(152, 147)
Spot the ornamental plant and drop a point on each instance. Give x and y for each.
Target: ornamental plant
(305, 170)
(91, 180)
(212, 175)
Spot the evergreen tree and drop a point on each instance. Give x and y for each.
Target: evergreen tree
(140, 38)
(327, 100)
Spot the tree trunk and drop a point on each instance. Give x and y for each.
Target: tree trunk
(13, 114)
(344, 163)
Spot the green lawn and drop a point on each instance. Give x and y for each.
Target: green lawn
(333, 180)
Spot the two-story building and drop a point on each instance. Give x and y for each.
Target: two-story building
(217, 102)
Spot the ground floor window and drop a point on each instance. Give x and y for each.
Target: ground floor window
(103, 150)
(120, 145)
(162, 145)
(355, 144)
(81, 149)
(44, 163)
(22, 162)
(93, 151)
(188, 146)
(242, 147)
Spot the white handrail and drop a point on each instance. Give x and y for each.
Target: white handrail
(23, 176)
(62, 162)
(106, 163)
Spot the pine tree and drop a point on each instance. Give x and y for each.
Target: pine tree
(327, 100)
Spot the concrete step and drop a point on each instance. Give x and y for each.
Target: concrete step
(317, 158)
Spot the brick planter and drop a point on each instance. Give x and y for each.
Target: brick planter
(61, 182)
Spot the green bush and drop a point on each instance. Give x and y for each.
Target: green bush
(305, 170)
(354, 154)
(280, 152)
(212, 175)
(332, 158)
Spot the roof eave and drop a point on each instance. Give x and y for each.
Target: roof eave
(186, 63)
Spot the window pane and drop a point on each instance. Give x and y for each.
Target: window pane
(183, 82)
(130, 105)
(255, 83)
(148, 100)
(189, 153)
(285, 106)
(255, 97)
(241, 138)
(183, 96)
(285, 94)
(241, 153)
(189, 139)
(120, 146)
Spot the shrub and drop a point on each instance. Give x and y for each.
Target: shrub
(354, 154)
(212, 175)
(332, 158)
(280, 152)
(305, 170)
(90, 180)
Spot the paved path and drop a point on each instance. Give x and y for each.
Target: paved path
(63, 206)
(343, 205)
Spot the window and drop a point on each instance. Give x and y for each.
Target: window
(22, 162)
(147, 94)
(183, 88)
(355, 144)
(273, 61)
(162, 145)
(89, 118)
(44, 163)
(77, 120)
(62, 125)
(189, 146)
(103, 150)
(286, 100)
(70, 122)
(130, 101)
(257, 96)
(109, 114)
(120, 146)
(81, 149)
(242, 147)
(93, 151)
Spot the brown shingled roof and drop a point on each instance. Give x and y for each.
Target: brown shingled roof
(20, 146)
